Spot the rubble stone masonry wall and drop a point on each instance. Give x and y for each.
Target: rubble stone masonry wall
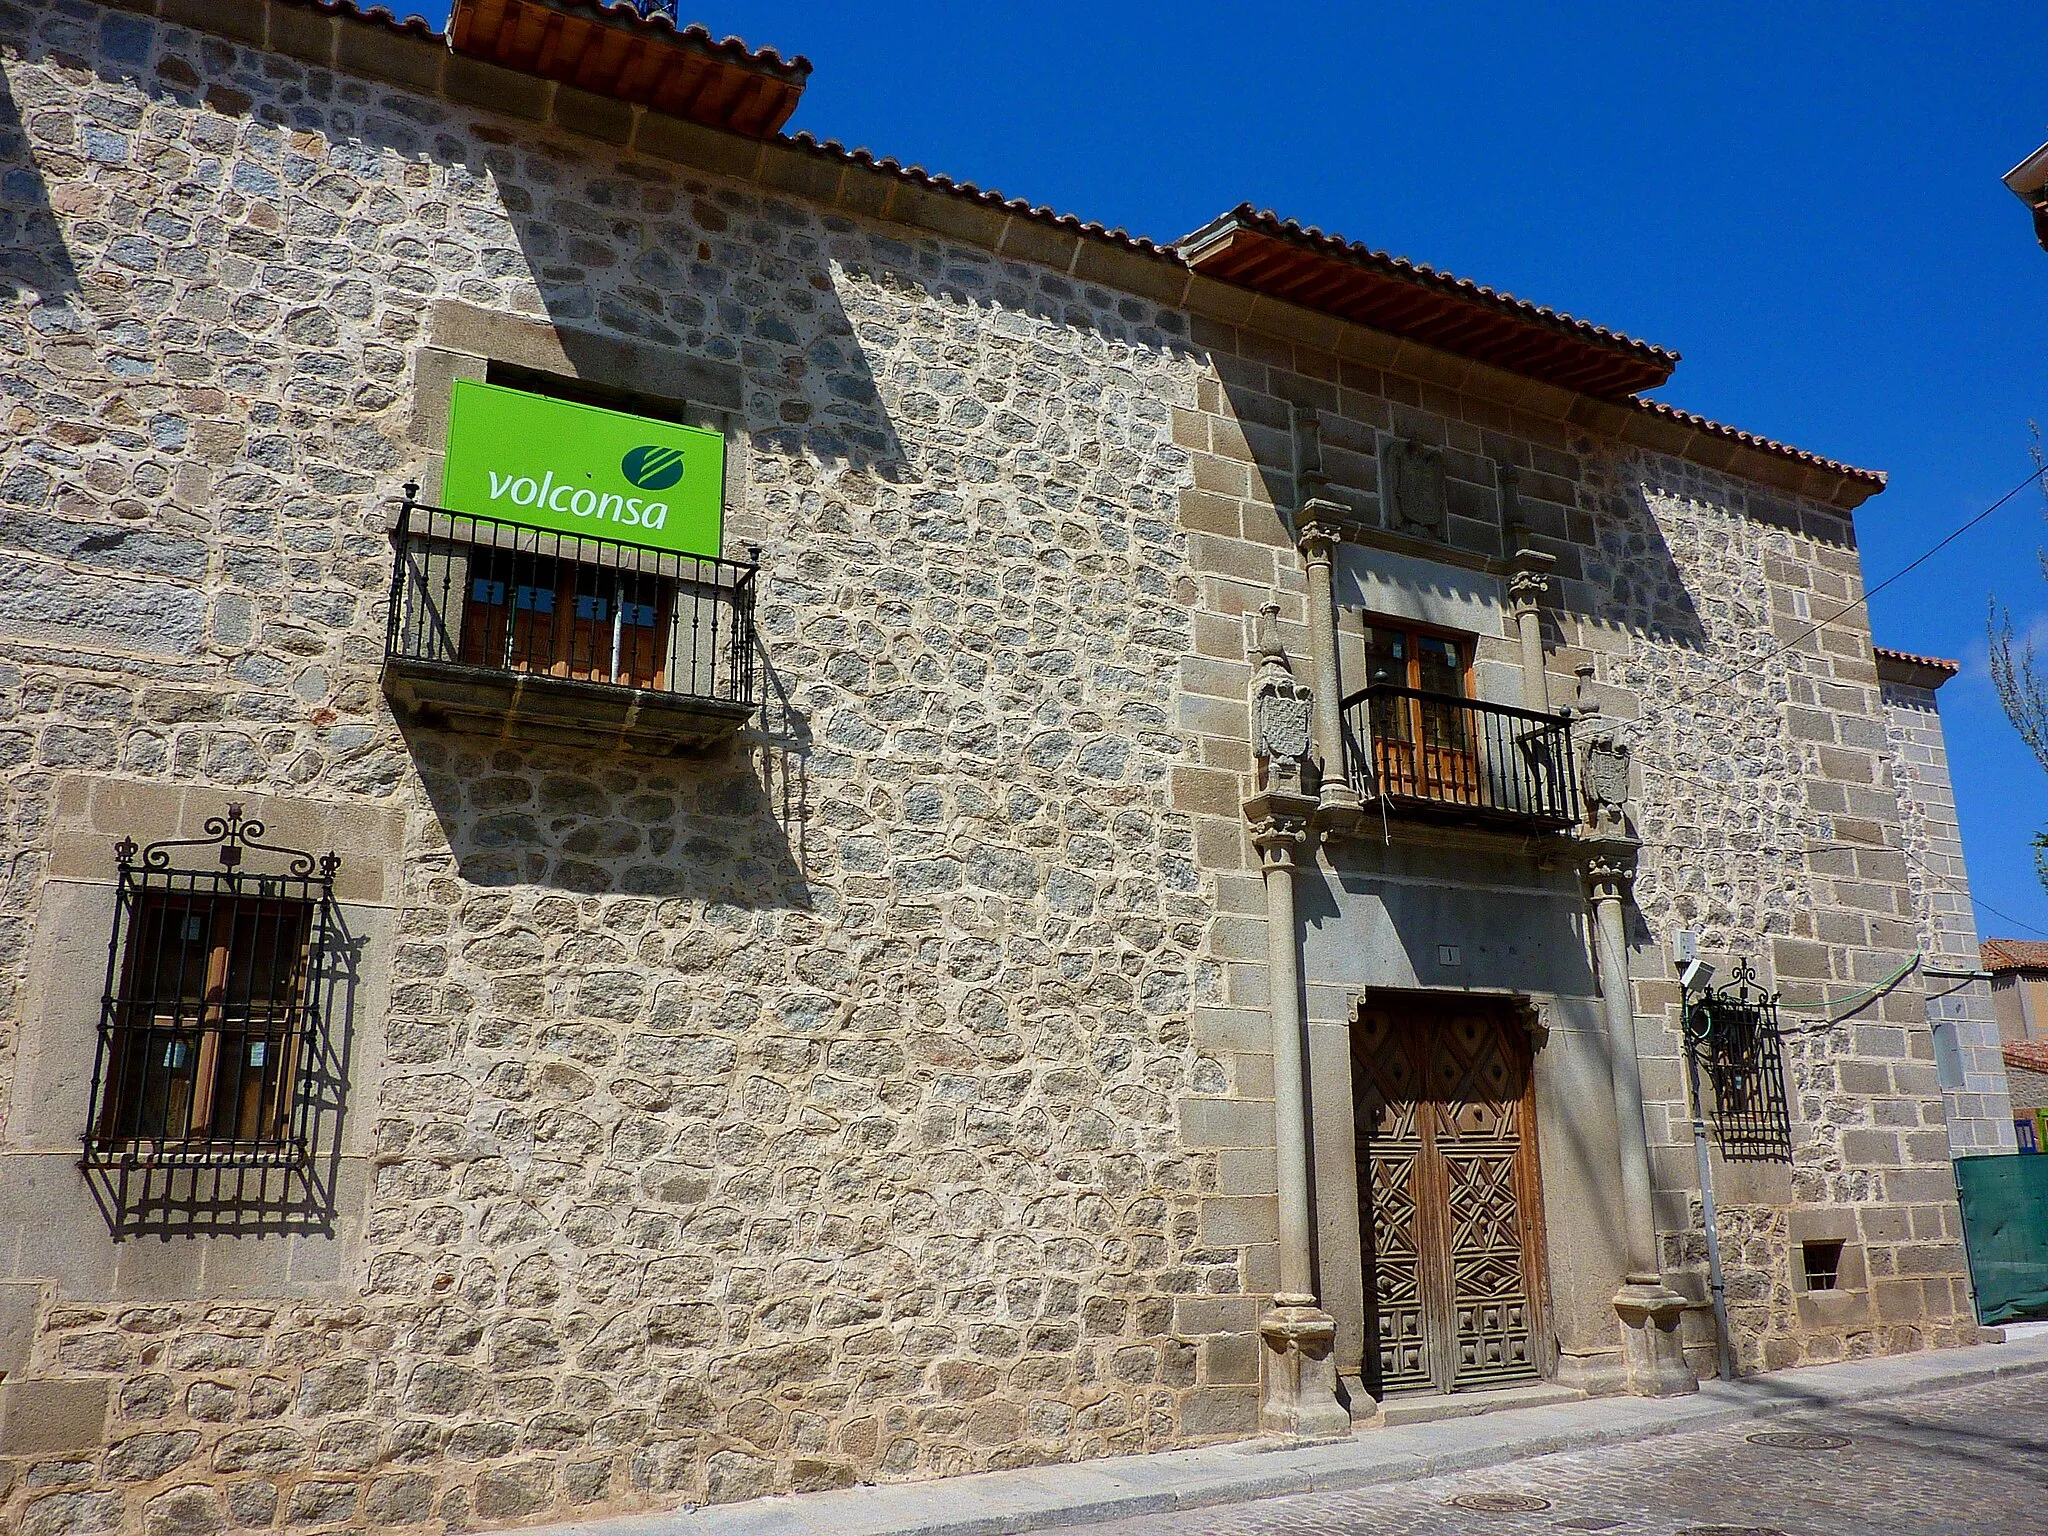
(747, 1124)
(890, 1096)
(1979, 1108)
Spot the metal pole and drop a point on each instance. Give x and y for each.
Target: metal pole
(1716, 1284)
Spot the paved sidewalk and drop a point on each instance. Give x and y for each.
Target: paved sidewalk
(1084, 1493)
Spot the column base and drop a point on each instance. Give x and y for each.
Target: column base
(1652, 1354)
(1298, 1373)
(1599, 1374)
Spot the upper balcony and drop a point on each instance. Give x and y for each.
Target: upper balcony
(1447, 758)
(516, 631)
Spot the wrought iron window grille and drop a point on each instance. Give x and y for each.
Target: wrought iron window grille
(213, 1026)
(1732, 1043)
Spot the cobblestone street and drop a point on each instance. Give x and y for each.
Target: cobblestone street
(1972, 1460)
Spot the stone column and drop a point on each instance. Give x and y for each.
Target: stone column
(1528, 583)
(1652, 1354)
(1318, 536)
(1298, 1376)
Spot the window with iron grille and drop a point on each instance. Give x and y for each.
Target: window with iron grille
(1733, 1046)
(212, 1010)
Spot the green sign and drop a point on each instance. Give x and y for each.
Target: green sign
(554, 464)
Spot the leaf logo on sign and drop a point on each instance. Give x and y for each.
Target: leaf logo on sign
(652, 468)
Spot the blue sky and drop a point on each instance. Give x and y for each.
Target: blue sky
(1803, 200)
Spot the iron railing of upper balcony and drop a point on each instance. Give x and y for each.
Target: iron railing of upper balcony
(1446, 755)
(475, 592)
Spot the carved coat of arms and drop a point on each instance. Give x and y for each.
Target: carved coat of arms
(1283, 726)
(1607, 776)
(1413, 489)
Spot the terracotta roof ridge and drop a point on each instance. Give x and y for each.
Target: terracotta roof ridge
(1770, 445)
(376, 15)
(987, 197)
(1914, 659)
(1270, 222)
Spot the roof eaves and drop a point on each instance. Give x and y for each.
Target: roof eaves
(1873, 478)
(636, 57)
(375, 15)
(795, 69)
(1194, 247)
(983, 197)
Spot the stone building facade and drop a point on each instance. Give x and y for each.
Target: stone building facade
(968, 1056)
(1961, 1010)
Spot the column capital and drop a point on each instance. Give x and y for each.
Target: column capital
(1528, 580)
(1609, 869)
(1281, 826)
(1318, 530)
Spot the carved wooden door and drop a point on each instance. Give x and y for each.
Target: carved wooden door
(1449, 1196)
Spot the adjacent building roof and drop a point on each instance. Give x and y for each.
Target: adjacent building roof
(2027, 1055)
(2028, 181)
(2013, 955)
(612, 49)
(1258, 249)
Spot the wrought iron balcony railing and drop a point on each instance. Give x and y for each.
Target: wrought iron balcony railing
(491, 620)
(1438, 754)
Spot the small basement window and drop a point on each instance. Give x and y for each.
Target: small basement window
(211, 1011)
(1823, 1264)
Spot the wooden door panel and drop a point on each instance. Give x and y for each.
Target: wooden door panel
(1388, 1085)
(1489, 1292)
(1446, 1164)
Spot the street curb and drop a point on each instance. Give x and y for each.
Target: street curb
(1065, 1495)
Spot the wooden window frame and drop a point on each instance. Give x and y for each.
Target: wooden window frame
(1468, 641)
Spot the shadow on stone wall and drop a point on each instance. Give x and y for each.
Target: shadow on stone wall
(1615, 565)
(782, 735)
(607, 249)
(33, 258)
(616, 249)
(604, 822)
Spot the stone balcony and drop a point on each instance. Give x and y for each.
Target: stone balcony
(523, 633)
(1445, 758)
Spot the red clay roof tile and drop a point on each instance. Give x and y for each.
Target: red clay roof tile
(614, 49)
(2013, 955)
(2027, 1055)
(1932, 663)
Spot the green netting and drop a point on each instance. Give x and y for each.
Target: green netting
(2005, 1222)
